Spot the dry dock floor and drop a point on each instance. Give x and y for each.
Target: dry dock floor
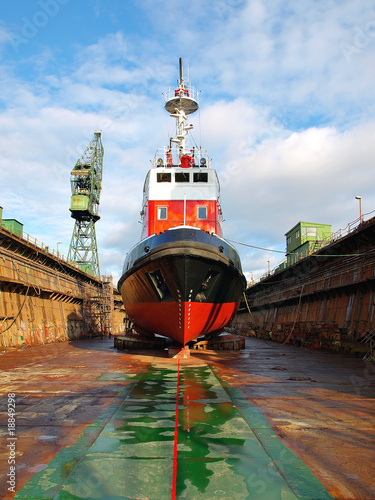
(271, 422)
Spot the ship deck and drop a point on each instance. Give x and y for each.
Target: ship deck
(269, 422)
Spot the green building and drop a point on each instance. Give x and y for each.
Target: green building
(305, 238)
(13, 226)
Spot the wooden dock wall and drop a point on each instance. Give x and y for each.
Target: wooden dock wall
(326, 299)
(44, 299)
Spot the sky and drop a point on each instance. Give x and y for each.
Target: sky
(287, 112)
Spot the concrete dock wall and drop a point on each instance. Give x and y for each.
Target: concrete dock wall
(44, 299)
(324, 300)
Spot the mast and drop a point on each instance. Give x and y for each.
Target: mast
(181, 77)
(180, 102)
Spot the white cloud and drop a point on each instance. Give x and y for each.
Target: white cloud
(285, 116)
(4, 35)
(312, 176)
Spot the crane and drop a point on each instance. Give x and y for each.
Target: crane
(86, 185)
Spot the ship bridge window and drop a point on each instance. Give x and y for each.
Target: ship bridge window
(202, 212)
(200, 177)
(162, 213)
(164, 177)
(182, 177)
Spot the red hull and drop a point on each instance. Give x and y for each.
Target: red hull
(182, 283)
(182, 321)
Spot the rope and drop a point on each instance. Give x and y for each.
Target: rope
(295, 317)
(253, 246)
(24, 300)
(247, 304)
(19, 312)
(295, 253)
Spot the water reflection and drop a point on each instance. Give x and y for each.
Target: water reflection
(202, 419)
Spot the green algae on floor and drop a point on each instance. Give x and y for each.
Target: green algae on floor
(224, 450)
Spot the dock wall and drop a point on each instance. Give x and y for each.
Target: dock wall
(45, 299)
(325, 300)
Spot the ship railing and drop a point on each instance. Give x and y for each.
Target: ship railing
(188, 91)
(170, 157)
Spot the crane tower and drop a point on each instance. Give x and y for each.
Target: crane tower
(86, 184)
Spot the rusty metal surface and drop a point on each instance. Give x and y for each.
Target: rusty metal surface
(58, 393)
(320, 404)
(73, 395)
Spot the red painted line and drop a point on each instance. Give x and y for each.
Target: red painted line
(174, 478)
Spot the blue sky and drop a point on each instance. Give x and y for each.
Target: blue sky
(286, 111)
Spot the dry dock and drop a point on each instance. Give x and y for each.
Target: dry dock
(325, 300)
(269, 422)
(44, 298)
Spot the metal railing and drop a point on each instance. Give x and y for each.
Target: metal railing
(170, 157)
(14, 231)
(189, 92)
(340, 233)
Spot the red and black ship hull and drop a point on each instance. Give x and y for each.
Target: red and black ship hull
(182, 283)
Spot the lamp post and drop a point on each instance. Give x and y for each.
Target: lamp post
(360, 208)
(252, 277)
(58, 243)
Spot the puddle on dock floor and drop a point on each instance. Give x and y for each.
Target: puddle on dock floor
(224, 450)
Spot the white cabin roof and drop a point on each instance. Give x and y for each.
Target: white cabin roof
(174, 183)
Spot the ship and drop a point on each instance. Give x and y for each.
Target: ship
(182, 280)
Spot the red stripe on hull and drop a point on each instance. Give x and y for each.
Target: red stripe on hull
(181, 321)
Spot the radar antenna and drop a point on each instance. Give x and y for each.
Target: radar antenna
(179, 103)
